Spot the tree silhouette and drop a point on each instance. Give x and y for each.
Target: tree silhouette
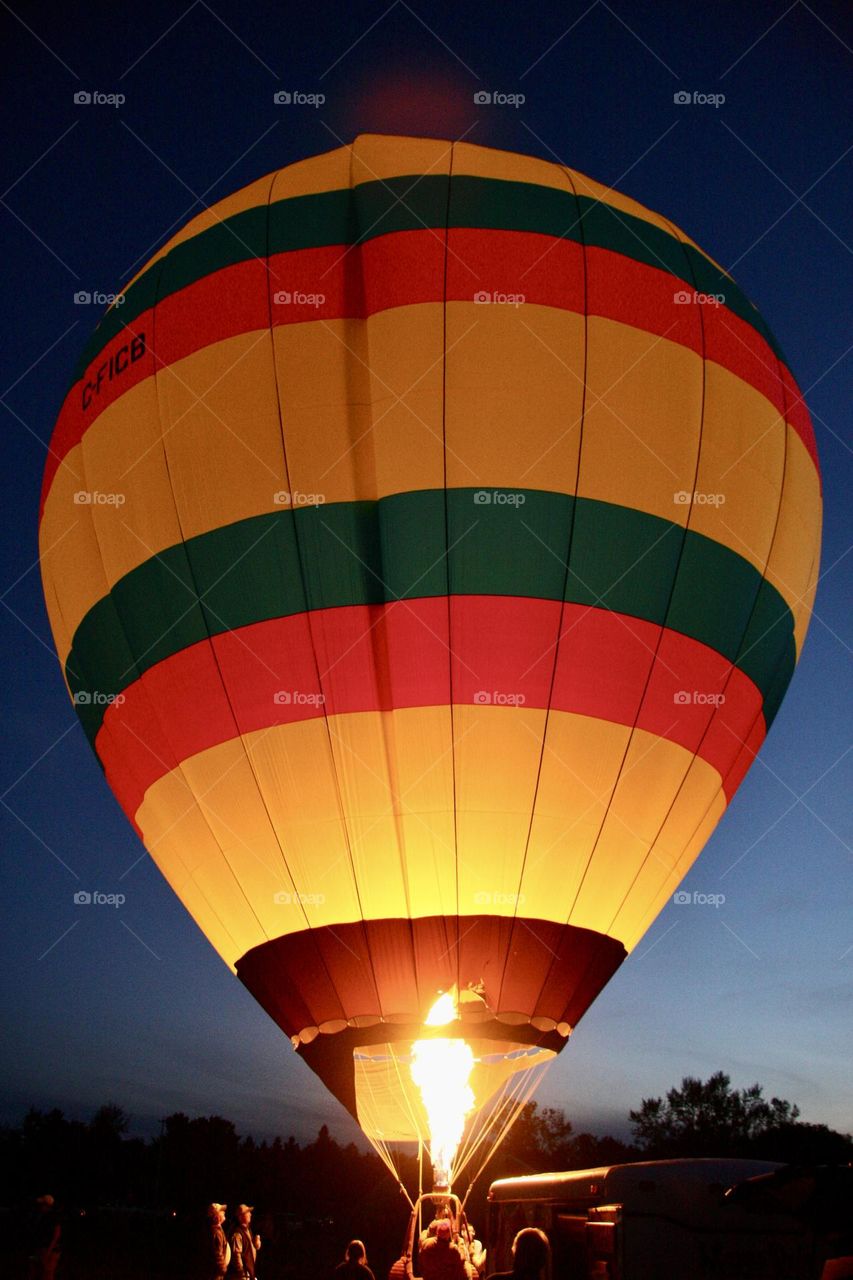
(711, 1118)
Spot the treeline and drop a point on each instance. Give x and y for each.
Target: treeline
(193, 1161)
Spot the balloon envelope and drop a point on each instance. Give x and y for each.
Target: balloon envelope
(429, 537)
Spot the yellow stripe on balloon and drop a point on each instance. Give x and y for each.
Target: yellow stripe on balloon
(218, 415)
(363, 403)
(523, 369)
(298, 807)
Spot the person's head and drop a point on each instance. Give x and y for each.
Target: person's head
(530, 1251)
(356, 1252)
(216, 1213)
(443, 1231)
(44, 1203)
(244, 1214)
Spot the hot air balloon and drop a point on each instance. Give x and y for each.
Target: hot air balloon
(429, 535)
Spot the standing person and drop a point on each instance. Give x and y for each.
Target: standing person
(531, 1252)
(43, 1240)
(218, 1252)
(440, 1258)
(354, 1265)
(244, 1245)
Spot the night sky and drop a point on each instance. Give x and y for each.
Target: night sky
(130, 1003)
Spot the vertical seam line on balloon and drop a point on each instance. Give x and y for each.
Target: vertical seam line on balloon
(299, 558)
(561, 614)
(447, 556)
(673, 586)
(159, 719)
(734, 663)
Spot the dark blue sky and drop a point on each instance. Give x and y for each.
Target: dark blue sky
(131, 1004)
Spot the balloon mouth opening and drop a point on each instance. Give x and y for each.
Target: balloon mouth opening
(389, 1106)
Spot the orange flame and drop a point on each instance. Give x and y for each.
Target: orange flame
(441, 1070)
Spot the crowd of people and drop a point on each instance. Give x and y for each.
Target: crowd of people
(230, 1252)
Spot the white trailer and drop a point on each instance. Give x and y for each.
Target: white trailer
(656, 1220)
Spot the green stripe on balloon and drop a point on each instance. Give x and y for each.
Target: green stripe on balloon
(394, 549)
(410, 204)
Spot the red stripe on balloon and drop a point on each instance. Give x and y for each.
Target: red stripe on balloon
(380, 657)
(406, 268)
